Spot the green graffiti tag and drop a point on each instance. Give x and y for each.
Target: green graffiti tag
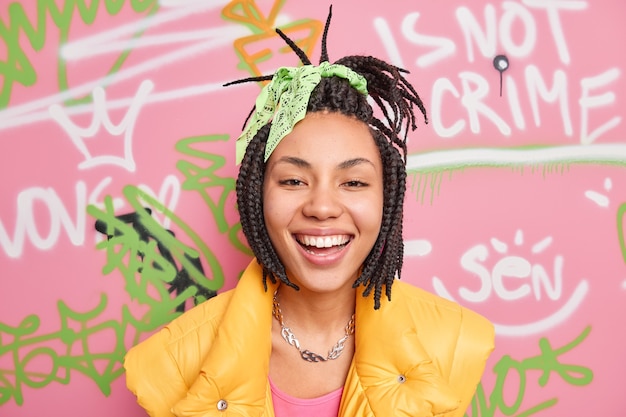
(150, 261)
(546, 362)
(161, 273)
(135, 255)
(70, 348)
(621, 213)
(203, 179)
(17, 68)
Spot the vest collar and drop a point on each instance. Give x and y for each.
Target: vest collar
(390, 369)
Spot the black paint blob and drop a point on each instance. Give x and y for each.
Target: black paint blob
(501, 64)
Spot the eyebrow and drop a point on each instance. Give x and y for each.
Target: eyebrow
(299, 162)
(354, 162)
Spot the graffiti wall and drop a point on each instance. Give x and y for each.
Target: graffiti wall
(117, 172)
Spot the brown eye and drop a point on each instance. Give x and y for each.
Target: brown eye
(355, 184)
(292, 182)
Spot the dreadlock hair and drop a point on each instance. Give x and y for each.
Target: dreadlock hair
(395, 97)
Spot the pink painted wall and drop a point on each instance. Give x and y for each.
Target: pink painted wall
(516, 204)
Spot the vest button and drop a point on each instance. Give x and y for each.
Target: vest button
(222, 405)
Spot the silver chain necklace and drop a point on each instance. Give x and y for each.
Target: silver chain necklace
(306, 354)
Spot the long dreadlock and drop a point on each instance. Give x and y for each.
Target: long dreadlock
(395, 97)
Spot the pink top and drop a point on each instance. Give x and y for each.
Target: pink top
(287, 406)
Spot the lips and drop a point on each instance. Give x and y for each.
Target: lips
(323, 245)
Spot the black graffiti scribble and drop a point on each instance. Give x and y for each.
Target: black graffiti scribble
(182, 281)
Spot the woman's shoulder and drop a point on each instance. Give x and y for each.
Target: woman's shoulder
(413, 294)
(200, 318)
(458, 339)
(439, 309)
(187, 338)
(197, 324)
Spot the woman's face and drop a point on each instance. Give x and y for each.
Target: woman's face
(323, 200)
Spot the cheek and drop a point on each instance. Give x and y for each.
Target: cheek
(276, 213)
(270, 213)
(368, 214)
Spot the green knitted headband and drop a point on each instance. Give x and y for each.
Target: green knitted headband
(285, 99)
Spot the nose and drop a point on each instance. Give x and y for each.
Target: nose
(322, 203)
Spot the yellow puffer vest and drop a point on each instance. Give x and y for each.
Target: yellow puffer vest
(419, 355)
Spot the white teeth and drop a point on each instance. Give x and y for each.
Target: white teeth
(324, 242)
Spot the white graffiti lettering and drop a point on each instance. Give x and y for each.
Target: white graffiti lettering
(29, 225)
(514, 278)
(43, 228)
(492, 35)
(588, 102)
(475, 89)
(487, 39)
(553, 8)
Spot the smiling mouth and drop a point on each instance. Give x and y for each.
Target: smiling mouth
(323, 245)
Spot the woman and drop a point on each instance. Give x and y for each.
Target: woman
(307, 331)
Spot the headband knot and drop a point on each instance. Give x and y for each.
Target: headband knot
(285, 98)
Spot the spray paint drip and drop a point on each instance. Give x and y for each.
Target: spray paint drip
(501, 63)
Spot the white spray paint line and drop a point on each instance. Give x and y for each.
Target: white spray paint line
(37, 109)
(596, 197)
(541, 326)
(44, 115)
(537, 327)
(106, 41)
(461, 158)
(417, 247)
